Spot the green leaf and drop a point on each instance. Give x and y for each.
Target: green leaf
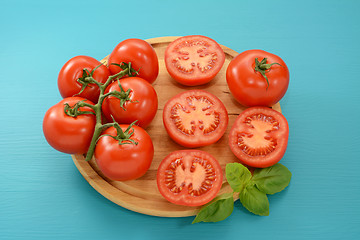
(217, 210)
(272, 179)
(254, 200)
(237, 176)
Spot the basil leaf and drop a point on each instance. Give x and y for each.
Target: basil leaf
(237, 176)
(272, 179)
(254, 200)
(217, 210)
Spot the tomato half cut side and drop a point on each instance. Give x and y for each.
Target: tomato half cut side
(189, 177)
(194, 60)
(259, 137)
(195, 118)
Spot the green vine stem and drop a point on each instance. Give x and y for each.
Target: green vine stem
(99, 127)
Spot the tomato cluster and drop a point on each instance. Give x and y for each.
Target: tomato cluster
(76, 125)
(106, 109)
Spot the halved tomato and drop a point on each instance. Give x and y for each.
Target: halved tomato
(259, 137)
(195, 118)
(189, 177)
(194, 60)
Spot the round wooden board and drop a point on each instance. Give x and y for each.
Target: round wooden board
(141, 195)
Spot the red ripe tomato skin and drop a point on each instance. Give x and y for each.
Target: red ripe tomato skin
(144, 110)
(73, 70)
(142, 56)
(187, 140)
(249, 87)
(68, 134)
(183, 198)
(191, 79)
(281, 136)
(124, 162)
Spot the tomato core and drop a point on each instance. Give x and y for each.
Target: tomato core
(197, 113)
(194, 175)
(257, 141)
(202, 58)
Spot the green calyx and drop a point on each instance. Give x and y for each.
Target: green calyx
(122, 95)
(86, 78)
(74, 111)
(263, 67)
(123, 137)
(123, 65)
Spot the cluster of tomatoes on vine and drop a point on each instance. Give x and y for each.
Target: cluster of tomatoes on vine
(106, 109)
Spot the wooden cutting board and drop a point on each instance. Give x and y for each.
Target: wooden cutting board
(141, 195)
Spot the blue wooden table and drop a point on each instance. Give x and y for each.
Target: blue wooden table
(42, 194)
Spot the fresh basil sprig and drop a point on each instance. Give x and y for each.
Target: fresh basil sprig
(252, 191)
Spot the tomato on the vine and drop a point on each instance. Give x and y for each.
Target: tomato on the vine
(66, 133)
(195, 118)
(194, 60)
(257, 78)
(259, 137)
(124, 156)
(71, 79)
(138, 102)
(189, 177)
(140, 54)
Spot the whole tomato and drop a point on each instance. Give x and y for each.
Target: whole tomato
(142, 56)
(72, 74)
(69, 134)
(138, 102)
(257, 78)
(125, 158)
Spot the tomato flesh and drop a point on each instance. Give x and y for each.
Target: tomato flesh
(194, 60)
(195, 118)
(259, 137)
(189, 177)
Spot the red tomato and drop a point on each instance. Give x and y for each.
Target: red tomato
(124, 162)
(142, 56)
(69, 134)
(189, 177)
(141, 102)
(194, 60)
(72, 71)
(195, 118)
(259, 137)
(249, 86)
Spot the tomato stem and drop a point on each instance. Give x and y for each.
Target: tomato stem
(264, 67)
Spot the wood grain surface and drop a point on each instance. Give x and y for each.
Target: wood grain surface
(142, 195)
